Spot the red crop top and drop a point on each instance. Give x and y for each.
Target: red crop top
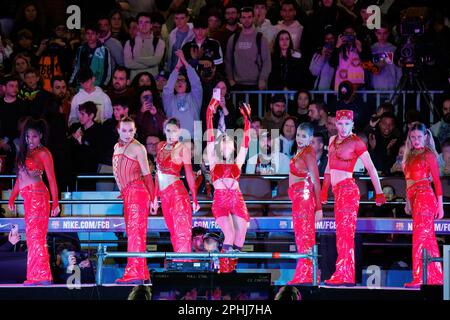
(126, 170)
(225, 170)
(343, 155)
(164, 161)
(298, 164)
(420, 166)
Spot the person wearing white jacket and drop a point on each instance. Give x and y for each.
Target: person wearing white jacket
(89, 92)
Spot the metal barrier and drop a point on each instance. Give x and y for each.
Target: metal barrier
(426, 260)
(102, 254)
(446, 256)
(366, 94)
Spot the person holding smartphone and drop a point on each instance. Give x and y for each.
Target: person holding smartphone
(33, 160)
(13, 238)
(150, 117)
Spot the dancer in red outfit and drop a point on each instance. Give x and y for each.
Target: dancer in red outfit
(172, 155)
(33, 159)
(419, 165)
(133, 176)
(344, 150)
(304, 192)
(228, 207)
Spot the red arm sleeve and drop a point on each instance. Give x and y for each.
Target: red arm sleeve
(47, 160)
(311, 164)
(325, 186)
(14, 193)
(246, 139)
(209, 119)
(434, 169)
(148, 181)
(190, 180)
(360, 146)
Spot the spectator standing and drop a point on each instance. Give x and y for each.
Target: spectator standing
(182, 97)
(94, 55)
(90, 92)
(444, 158)
(248, 56)
(145, 52)
(114, 46)
(120, 86)
(230, 27)
(33, 95)
(262, 24)
(320, 63)
(59, 90)
(289, 23)
(441, 129)
(150, 116)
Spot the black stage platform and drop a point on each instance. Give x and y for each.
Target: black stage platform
(204, 286)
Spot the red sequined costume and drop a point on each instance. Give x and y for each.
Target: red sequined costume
(419, 168)
(343, 156)
(175, 202)
(227, 201)
(37, 211)
(305, 197)
(136, 192)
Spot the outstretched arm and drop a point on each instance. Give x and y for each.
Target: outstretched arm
(212, 107)
(47, 159)
(246, 139)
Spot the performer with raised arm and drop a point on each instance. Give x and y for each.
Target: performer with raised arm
(33, 160)
(172, 155)
(135, 182)
(344, 150)
(304, 192)
(420, 166)
(228, 207)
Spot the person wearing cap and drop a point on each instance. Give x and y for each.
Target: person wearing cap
(202, 51)
(345, 149)
(275, 118)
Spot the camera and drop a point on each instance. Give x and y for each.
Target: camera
(348, 38)
(412, 26)
(149, 99)
(328, 45)
(386, 57)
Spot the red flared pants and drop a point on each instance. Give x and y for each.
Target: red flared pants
(176, 208)
(346, 197)
(303, 205)
(37, 213)
(136, 207)
(424, 205)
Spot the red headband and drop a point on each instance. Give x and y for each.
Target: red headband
(344, 115)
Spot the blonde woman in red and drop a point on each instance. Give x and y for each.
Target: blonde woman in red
(420, 166)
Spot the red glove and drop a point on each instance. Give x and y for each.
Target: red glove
(325, 186)
(380, 199)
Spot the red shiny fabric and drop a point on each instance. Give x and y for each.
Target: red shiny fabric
(136, 207)
(423, 166)
(37, 210)
(343, 155)
(227, 202)
(126, 170)
(424, 205)
(303, 208)
(346, 206)
(225, 170)
(176, 208)
(164, 161)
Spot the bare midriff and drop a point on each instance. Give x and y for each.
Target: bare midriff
(226, 184)
(339, 175)
(27, 178)
(165, 180)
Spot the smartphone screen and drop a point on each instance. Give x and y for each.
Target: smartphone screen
(216, 94)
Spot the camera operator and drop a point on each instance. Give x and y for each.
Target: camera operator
(67, 260)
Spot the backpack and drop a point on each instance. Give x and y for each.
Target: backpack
(258, 60)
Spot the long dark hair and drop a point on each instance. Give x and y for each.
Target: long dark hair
(41, 127)
(276, 45)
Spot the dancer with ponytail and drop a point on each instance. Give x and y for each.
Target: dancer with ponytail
(173, 155)
(135, 182)
(33, 160)
(344, 150)
(304, 192)
(420, 166)
(228, 207)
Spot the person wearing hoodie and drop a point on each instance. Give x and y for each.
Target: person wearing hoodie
(90, 92)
